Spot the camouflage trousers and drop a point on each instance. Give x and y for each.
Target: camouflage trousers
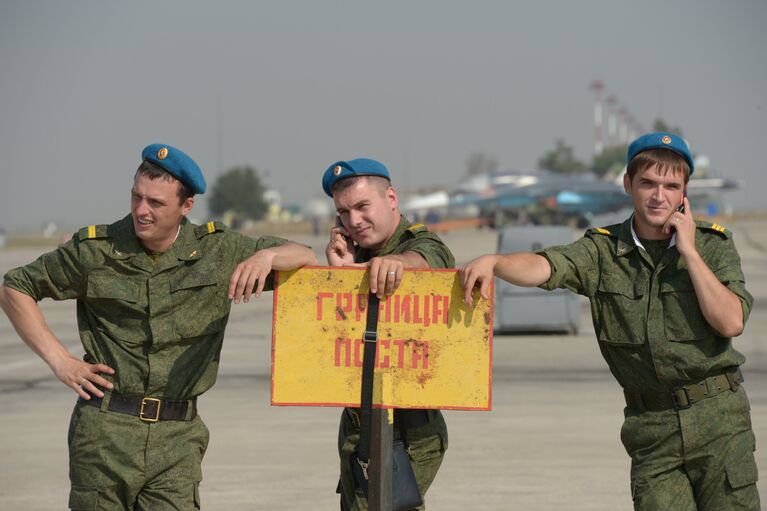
(118, 462)
(427, 444)
(698, 459)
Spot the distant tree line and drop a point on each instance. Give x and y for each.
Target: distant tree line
(562, 159)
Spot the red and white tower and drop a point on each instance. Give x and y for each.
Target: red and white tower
(597, 86)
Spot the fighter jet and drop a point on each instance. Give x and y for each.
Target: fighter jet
(537, 197)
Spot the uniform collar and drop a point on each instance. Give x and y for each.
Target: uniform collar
(626, 243)
(187, 246)
(127, 245)
(638, 242)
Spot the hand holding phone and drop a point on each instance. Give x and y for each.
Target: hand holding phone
(680, 208)
(340, 250)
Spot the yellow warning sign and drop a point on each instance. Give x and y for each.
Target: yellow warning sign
(433, 351)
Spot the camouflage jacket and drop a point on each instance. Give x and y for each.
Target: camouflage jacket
(650, 328)
(157, 321)
(412, 238)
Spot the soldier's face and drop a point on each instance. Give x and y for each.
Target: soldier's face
(157, 211)
(656, 196)
(368, 211)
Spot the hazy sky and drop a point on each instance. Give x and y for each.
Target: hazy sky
(85, 85)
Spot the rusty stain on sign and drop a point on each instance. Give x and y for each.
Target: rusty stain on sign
(433, 351)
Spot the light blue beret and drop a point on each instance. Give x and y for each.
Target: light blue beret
(176, 163)
(352, 168)
(661, 140)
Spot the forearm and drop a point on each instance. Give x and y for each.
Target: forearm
(525, 269)
(25, 316)
(720, 306)
(411, 260)
(28, 321)
(291, 256)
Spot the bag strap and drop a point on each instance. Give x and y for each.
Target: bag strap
(368, 367)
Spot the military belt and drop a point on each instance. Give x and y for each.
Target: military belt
(148, 409)
(685, 396)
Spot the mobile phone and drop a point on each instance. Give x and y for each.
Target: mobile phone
(340, 224)
(680, 207)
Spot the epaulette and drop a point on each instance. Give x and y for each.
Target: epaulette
(209, 228)
(416, 228)
(602, 230)
(93, 232)
(708, 226)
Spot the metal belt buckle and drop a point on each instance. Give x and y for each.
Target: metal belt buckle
(157, 410)
(675, 399)
(370, 336)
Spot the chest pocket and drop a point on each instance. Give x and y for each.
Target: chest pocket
(116, 305)
(621, 306)
(200, 304)
(683, 318)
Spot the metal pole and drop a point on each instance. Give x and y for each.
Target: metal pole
(380, 469)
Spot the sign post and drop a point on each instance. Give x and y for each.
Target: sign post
(380, 468)
(433, 351)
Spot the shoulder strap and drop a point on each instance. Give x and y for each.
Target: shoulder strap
(93, 232)
(603, 230)
(713, 228)
(416, 228)
(368, 367)
(412, 232)
(208, 228)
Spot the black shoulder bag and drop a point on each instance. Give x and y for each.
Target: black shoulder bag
(405, 493)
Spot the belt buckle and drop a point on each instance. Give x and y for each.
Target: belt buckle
(675, 400)
(157, 410)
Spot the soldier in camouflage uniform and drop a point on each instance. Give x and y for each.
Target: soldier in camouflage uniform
(374, 234)
(667, 295)
(153, 297)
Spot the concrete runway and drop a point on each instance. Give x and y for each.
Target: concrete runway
(551, 441)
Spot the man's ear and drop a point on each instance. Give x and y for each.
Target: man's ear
(187, 206)
(391, 195)
(627, 183)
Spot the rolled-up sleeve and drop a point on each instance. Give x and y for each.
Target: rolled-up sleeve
(431, 248)
(573, 267)
(249, 246)
(56, 274)
(724, 262)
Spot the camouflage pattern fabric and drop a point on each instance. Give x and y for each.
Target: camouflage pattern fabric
(701, 458)
(117, 461)
(427, 443)
(654, 338)
(158, 321)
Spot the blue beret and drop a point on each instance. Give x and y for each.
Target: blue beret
(352, 168)
(661, 140)
(176, 163)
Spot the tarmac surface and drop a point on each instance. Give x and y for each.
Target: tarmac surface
(550, 442)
